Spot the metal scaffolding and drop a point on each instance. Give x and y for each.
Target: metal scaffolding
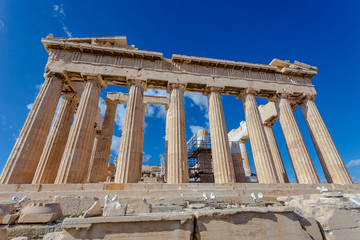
(199, 159)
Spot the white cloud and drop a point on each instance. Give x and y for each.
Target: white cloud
(161, 111)
(66, 30)
(120, 115)
(29, 106)
(156, 92)
(206, 115)
(115, 144)
(156, 110)
(194, 129)
(353, 163)
(102, 106)
(59, 14)
(199, 99)
(146, 157)
(38, 86)
(150, 110)
(2, 25)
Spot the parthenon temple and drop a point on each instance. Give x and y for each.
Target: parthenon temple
(76, 147)
(60, 182)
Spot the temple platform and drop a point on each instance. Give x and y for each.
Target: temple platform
(163, 193)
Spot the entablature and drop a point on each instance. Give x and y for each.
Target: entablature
(117, 65)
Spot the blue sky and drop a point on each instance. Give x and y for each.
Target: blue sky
(322, 33)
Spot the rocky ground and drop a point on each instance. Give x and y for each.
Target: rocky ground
(327, 215)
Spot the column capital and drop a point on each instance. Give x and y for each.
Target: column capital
(171, 86)
(109, 101)
(96, 78)
(69, 96)
(247, 91)
(137, 82)
(210, 89)
(269, 123)
(275, 97)
(243, 140)
(307, 97)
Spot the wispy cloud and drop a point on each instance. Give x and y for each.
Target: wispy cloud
(2, 24)
(199, 99)
(29, 106)
(102, 106)
(194, 129)
(120, 115)
(353, 163)
(59, 14)
(146, 157)
(156, 110)
(115, 144)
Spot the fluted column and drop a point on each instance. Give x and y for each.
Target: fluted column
(55, 144)
(264, 166)
(96, 137)
(220, 149)
(140, 154)
(130, 151)
(299, 155)
(237, 162)
(25, 155)
(274, 149)
(177, 166)
(166, 141)
(245, 157)
(331, 161)
(103, 149)
(75, 160)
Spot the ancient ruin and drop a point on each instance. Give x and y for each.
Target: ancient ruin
(63, 168)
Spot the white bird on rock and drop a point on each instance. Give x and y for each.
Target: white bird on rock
(14, 199)
(205, 196)
(260, 195)
(107, 198)
(253, 195)
(115, 198)
(212, 195)
(23, 199)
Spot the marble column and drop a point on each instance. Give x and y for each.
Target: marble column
(90, 173)
(274, 149)
(299, 155)
(237, 162)
(25, 155)
(130, 151)
(264, 166)
(245, 157)
(177, 166)
(331, 161)
(75, 160)
(103, 148)
(166, 141)
(55, 144)
(220, 149)
(140, 154)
